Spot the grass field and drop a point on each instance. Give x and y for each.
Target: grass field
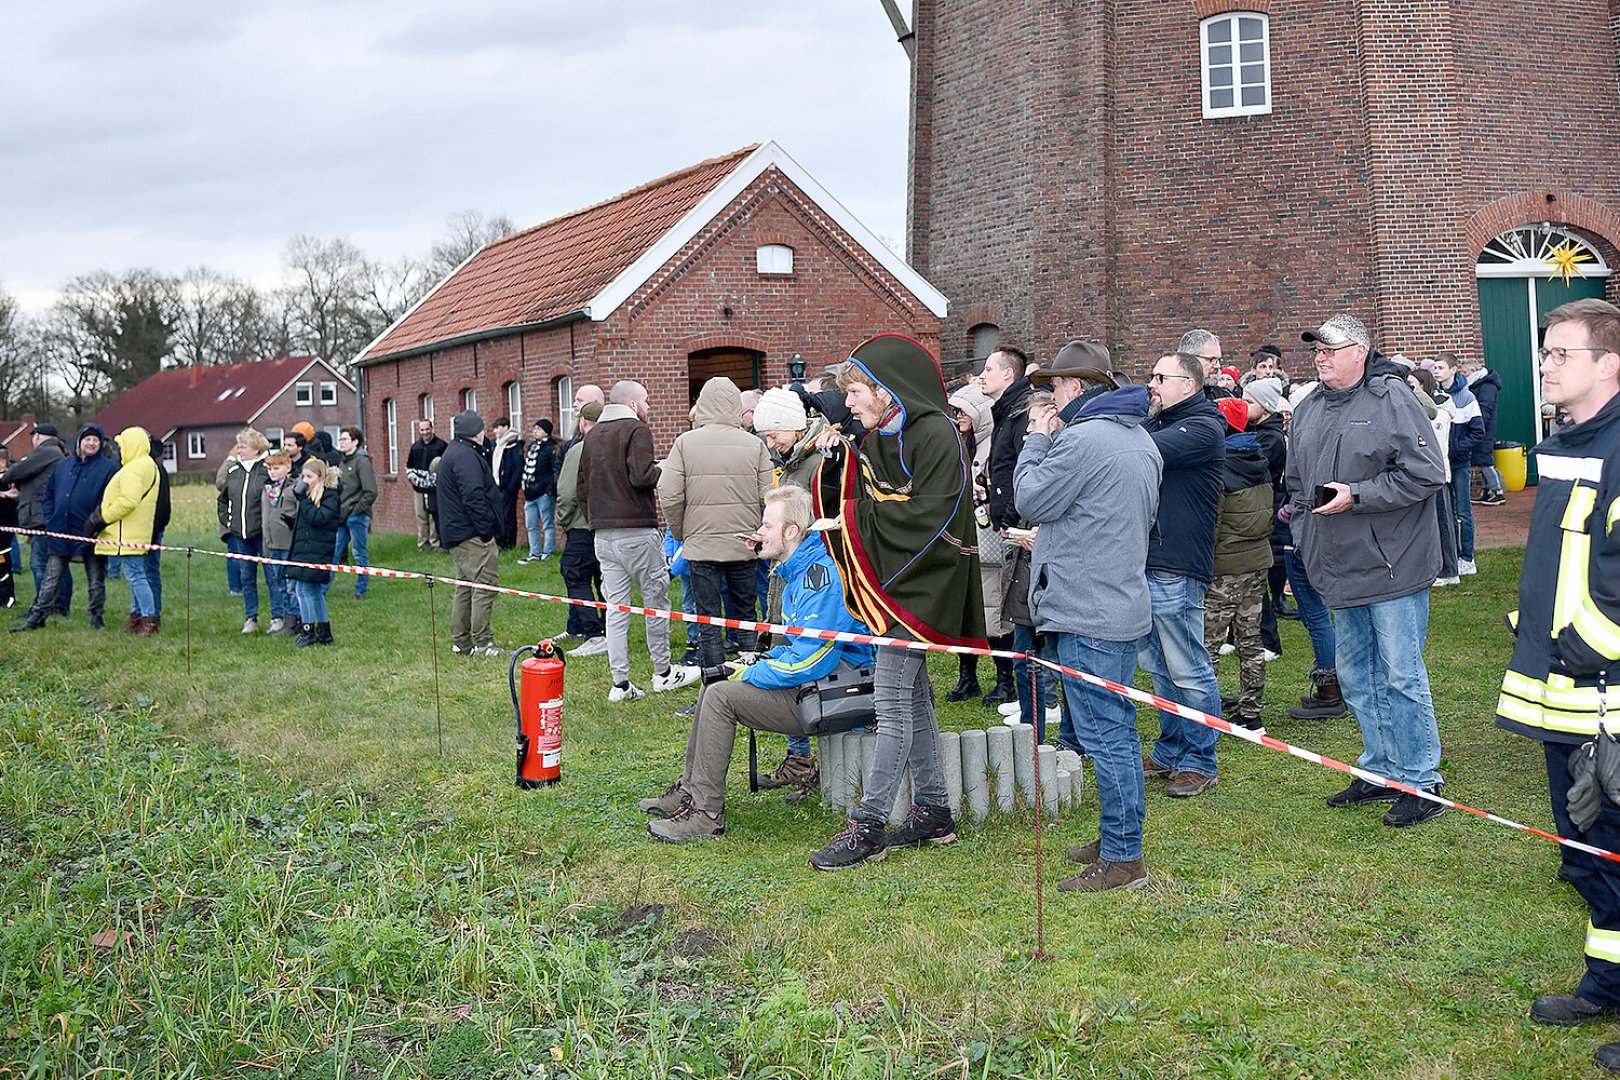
(265, 868)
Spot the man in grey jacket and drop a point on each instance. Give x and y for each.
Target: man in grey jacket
(30, 475)
(1088, 476)
(1363, 473)
(358, 494)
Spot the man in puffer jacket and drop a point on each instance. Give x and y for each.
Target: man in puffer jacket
(1242, 559)
(72, 500)
(1487, 388)
(30, 476)
(129, 509)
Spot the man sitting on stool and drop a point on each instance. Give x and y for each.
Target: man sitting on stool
(763, 695)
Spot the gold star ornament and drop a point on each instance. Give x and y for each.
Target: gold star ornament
(1566, 260)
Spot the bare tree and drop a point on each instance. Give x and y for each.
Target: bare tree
(388, 291)
(24, 375)
(465, 234)
(113, 330)
(326, 281)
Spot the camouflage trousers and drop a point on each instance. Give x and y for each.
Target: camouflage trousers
(1234, 602)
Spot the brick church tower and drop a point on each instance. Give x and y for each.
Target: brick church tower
(1128, 169)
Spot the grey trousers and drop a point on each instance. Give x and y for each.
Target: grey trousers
(721, 707)
(633, 557)
(471, 609)
(427, 530)
(907, 734)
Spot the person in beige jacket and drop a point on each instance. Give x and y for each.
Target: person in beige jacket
(712, 490)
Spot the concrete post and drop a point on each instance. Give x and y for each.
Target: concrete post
(1068, 759)
(902, 798)
(950, 761)
(1048, 767)
(832, 767)
(999, 748)
(975, 788)
(1024, 761)
(868, 752)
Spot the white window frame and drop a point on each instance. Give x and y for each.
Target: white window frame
(563, 387)
(773, 259)
(1235, 64)
(391, 413)
(332, 432)
(276, 436)
(514, 405)
(329, 393)
(170, 455)
(469, 399)
(303, 394)
(424, 406)
(196, 446)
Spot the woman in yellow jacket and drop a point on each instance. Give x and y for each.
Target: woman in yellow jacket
(128, 508)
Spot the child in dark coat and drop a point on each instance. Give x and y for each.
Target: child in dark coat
(315, 513)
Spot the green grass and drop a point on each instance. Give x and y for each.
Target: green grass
(313, 891)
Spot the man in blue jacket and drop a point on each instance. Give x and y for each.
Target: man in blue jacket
(763, 695)
(1467, 433)
(1191, 437)
(72, 504)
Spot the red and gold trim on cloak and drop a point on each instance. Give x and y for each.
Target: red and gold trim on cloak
(864, 594)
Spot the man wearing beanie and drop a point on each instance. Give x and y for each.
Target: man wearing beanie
(468, 504)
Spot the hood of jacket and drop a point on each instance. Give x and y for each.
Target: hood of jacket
(1485, 376)
(614, 412)
(719, 402)
(91, 429)
(1127, 405)
(1245, 465)
(979, 408)
(133, 444)
(906, 372)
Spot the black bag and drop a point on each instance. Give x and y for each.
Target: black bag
(840, 701)
(1015, 604)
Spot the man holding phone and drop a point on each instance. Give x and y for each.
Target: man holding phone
(1363, 470)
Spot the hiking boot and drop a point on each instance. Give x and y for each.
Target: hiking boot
(1326, 703)
(129, 627)
(1085, 854)
(625, 692)
(1185, 784)
(1608, 1057)
(1567, 1010)
(967, 682)
(1414, 810)
(795, 771)
(596, 646)
(675, 678)
(306, 636)
(923, 825)
(859, 842)
(1360, 793)
(146, 627)
(673, 798)
(1153, 770)
(1103, 875)
(687, 823)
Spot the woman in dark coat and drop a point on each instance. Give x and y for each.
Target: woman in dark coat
(315, 514)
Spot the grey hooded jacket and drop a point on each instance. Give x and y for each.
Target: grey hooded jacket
(714, 481)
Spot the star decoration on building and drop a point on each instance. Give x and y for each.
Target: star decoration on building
(1566, 260)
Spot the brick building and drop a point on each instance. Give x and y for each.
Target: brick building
(1128, 170)
(197, 411)
(17, 436)
(730, 267)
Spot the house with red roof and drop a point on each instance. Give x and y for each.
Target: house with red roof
(197, 411)
(15, 436)
(732, 266)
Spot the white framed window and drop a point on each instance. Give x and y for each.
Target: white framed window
(195, 446)
(563, 389)
(333, 431)
(328, 393)
(303, 393)
(424, 407)
(514, 405)
(389, 414)
(276, 436)
(169, 455)
(1236, 64)
(469, 399)
(774, 259)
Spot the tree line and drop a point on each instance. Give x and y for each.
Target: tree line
(108, 331)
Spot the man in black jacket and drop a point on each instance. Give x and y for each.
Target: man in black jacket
(1191, 437)
(539, 482)
(1008, 388)
(427, 449)
(30, 475)
(469, 503)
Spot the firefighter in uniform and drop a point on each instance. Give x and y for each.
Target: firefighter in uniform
(1567, 652)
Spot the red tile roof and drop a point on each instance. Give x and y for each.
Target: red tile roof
(10, 428)
(555, 268)
(203, 396)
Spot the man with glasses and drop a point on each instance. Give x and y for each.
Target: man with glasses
(1207, 347)
(1567, 642)
(1191, 439)
(1363, 471)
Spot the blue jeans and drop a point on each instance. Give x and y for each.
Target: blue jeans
(140, 589)
(154, 575)
(1386, 685)
(311, 602)
(39, 554)
(1313, 613)
(538, 519)
(243, 576)
(1032, 706)
(1106, 724)
(282, 601)
(1464, 509)
(356, 528)
(1173, 652)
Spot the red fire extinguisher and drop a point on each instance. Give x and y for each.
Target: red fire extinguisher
(539, 714)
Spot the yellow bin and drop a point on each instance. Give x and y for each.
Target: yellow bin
(1513, 462)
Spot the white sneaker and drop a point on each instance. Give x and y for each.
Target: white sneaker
(627, 692)
(251, 626)
(1440, 581)
(1013, 721)
(487, 650)
(275, 626)
(596, 646)
(675, 678)
(1228, 649)
(1466, 567)
(1268, 656)
(1010, 708)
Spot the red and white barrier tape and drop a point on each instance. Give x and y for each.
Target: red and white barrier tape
(1140, 696)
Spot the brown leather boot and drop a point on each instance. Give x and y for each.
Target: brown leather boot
(1104, 875)
(795, 771)
(145, 626)
(1327, 703)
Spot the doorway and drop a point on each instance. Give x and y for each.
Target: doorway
(741, 366)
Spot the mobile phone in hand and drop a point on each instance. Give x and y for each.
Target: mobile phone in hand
(1325, 495)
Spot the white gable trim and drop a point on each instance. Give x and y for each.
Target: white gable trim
(275, 397)
(360, 357)
(641, 271)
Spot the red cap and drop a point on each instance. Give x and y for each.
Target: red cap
(1233, 372)
(1236, 411)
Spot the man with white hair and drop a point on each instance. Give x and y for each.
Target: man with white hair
(1207, 347)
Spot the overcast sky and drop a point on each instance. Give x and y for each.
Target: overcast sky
(174, 133)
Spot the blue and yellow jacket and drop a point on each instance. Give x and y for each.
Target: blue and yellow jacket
(1568, 622)
(814, 598)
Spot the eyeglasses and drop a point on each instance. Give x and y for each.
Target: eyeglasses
(1329, 349)
(1557, 357)
(1157, 378)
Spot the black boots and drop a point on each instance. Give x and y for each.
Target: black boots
(1327, 703)
(1005, 689)
(967, 685)
(323, 633)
